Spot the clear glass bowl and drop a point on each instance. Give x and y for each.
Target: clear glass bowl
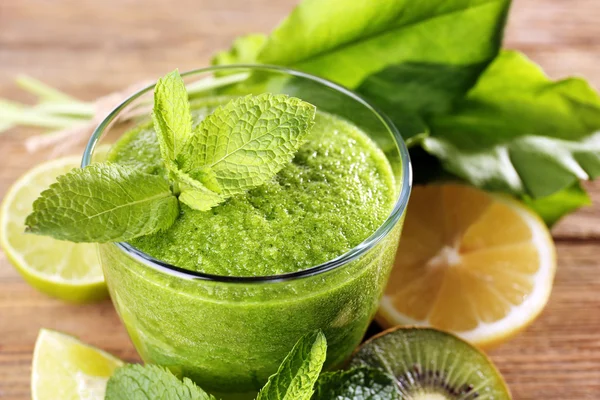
(226, 333)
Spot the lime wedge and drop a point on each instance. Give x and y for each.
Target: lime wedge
(64, 368)
(61, 269)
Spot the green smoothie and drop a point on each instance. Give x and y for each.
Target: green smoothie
(229, 337)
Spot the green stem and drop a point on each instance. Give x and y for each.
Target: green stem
(211, 82)
(78, 109)
(45, 115)
(43, 91)
(176, 188)
(29, 117)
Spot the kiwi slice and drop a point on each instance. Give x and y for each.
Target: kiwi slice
(432, 365)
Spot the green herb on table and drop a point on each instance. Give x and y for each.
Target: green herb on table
(294, 380)
(137, 382)
(519, 132)
(240, 146)
(362, 383)
(347, 41)
(299, 371)
(469, 111)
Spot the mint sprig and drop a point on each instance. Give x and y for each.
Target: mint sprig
(362, 383)
(151, 382)
(294, 380)
(247, 141)
(172, 116)
(242, 145)
(299, 371)
(103, 203)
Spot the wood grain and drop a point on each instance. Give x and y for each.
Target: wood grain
(90, 48)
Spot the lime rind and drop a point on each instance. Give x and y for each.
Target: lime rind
(60, 269)
(65, 368)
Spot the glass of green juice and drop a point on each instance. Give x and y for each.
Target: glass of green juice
(222, 296)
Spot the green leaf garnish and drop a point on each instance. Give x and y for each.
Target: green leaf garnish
(150, 382)
(346, 41)
(519, 132)
(172, 116)
(103, 203)
(294, 380)
(299, 371)
(194, 193)
(362, 383)
(247, 141)
(243, 144)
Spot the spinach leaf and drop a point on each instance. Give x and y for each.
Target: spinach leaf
(519, 132)
(346, 41)
(410, 92)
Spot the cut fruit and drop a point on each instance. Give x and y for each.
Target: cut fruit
(65, 270)
(432, 365)
(64, 368)
(469, 262)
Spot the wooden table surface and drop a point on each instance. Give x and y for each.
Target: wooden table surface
(89, 48)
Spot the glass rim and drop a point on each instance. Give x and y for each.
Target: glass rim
(349, 256)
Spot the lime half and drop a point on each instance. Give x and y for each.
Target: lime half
(65, 270)
(64, 368)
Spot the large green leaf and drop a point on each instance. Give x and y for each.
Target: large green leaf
(244, 50)
(554, 207)
(346, 41)
(410, 92)
(519, 132)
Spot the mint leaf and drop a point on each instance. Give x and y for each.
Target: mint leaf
(360, 383)
(103, 203)
(240, 146)
(150, 382)
(519, 132)
(172, 116)
(245, 142)
(346, 41)
(195, 194)
(244, 50)
(299, 371)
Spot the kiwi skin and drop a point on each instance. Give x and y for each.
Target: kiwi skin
(420, 347)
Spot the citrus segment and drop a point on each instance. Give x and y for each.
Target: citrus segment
(469, 262)
(64, 368)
